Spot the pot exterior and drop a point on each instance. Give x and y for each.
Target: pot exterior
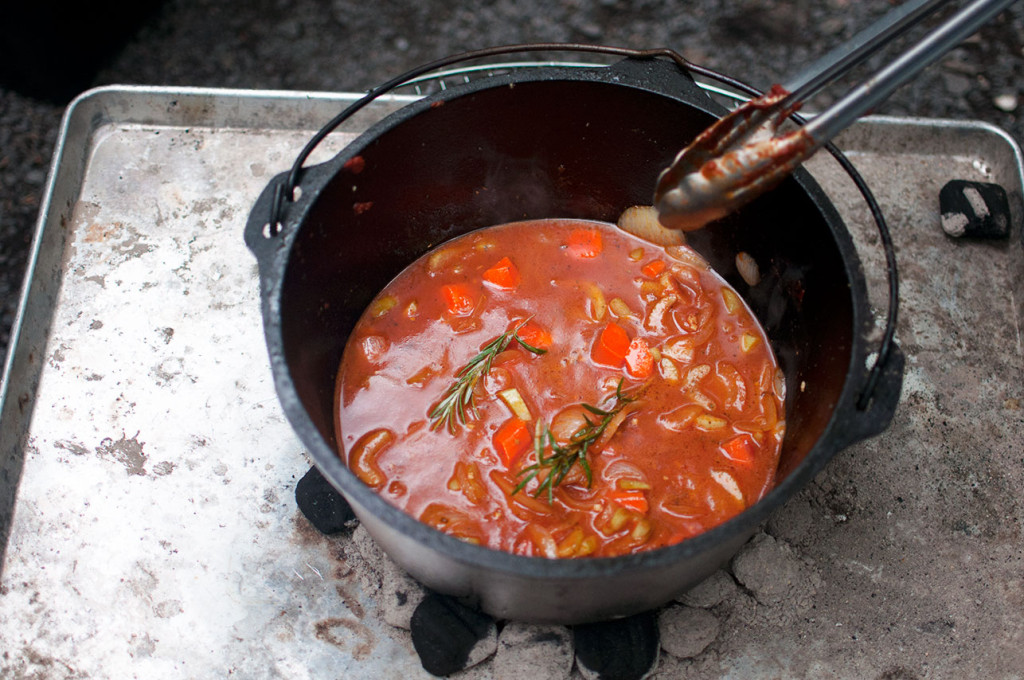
(576, 143)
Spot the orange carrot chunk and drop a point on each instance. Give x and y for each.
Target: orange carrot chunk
(535, 335)
(634, 500)
(458, 299)
(585, 243)
(611, 346)
(653, 268)
(503, 275)
(639, 362)
(511, 439)
(742, 449)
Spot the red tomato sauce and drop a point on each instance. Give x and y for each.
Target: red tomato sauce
(619, 396)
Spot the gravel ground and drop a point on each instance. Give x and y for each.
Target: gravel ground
(346, 45)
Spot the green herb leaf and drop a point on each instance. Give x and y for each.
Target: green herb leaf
(456, 404)
(563, 457)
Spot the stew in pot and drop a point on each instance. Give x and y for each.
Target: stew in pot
(560, 388)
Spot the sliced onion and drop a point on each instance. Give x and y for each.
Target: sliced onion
(597, 307)
(746, 265)
(568, 422)
(642, 221)
(780, 384)
(687, 255)
(616, 422)
(728, 482)
(516, 404)
(655, 320)
(680, 349)
(382, 305)
(668, 370)
(695, 375)
(678, 419)
(620, 308)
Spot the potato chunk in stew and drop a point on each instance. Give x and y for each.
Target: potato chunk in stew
(562, 389)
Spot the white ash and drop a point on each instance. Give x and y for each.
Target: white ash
(373, 558)
(533, 651)
(687, 631)
(709, 592)
(977, 202)
(485, 648)
(773, 573)
(399, 595)
(396, 591)
(955, 224)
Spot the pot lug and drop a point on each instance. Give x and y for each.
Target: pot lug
(857, 424)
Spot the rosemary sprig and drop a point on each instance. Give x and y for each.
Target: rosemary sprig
(564, 457)
(458, 398)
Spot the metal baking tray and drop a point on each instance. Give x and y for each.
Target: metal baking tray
(146, 513)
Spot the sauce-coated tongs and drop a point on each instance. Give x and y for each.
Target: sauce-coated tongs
(744, 154)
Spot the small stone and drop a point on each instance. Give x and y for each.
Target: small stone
(687, 631)
(623, 649)
(974, 210)
(449, 636)
(1007, 102)
(533, 651)
(322, 505)
(709, 592)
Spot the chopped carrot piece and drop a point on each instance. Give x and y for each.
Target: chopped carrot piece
(653, 268)
(511, 439)
(634, 500)
(742, 449)
(639, 361)
(585, 243)
(504, 275)
(458, 298)
(611, 346)
(535, 335)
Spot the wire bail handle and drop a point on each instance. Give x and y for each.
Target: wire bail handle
(284, 192)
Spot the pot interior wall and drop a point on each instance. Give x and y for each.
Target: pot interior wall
(553, 149)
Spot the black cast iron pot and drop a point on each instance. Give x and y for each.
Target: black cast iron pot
(584, 143)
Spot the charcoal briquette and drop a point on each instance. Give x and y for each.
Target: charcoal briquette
(622, 649)
(322, 505)
(974, 210)
(449, 636)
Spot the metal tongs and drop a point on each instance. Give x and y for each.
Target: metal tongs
(744, 154)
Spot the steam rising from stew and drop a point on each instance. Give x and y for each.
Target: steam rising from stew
(560, 388)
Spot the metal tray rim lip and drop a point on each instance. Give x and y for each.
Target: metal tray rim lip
(227, 92)
(953, 123)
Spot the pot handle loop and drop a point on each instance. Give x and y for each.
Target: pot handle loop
(284, 193)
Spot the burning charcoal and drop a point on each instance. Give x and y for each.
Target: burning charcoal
(322, 505)
(686, 631)
(449, 636)
(624, 649)
(974, 210)
(533, 651)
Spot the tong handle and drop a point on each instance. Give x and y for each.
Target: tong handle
(858, 48)
(878, 87)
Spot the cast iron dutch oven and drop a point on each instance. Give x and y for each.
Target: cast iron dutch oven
(559, 142)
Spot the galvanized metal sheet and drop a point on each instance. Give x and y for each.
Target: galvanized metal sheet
(151, 472)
